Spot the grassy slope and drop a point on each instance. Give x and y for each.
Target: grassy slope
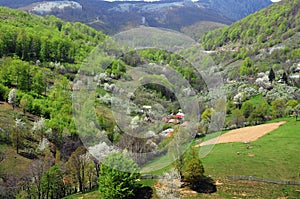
(275, 156)
(12, 162)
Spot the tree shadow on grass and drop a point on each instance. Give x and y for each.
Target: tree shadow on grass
(28, 155)
(144, 192)
(205, 185)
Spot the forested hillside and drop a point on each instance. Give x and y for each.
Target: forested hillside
(31, 37)
(39, 57)
(277, 24)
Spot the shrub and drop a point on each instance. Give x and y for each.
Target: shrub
(278, 106)
(3, 92)
(118, 175)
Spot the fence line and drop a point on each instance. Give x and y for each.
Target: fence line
(251, 178)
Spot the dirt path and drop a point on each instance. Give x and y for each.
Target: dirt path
(246, 134)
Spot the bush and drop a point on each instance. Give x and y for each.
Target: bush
(259, 113)
(118, 175)
(26, 103)
(247, 109)
(278, 106)
(3, 92)
(292, 103)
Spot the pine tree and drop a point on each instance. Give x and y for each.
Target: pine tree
(193, 170)
(284, 77)
(271, 75)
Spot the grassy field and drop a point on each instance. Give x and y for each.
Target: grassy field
(250, 190)
(274, 156)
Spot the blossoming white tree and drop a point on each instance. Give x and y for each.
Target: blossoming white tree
(12, 97)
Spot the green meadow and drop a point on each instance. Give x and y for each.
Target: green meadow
(274, 156)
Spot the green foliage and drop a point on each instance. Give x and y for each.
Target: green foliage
(292, 103)
(278, 106)
(117, 69)
(238, 118)
(259, 114)
(176, 62)
(39, 82)
(206, 118)
(266, 28)
(31, 37)
(52, 183)
(193, 170)
(118, 175)
(230, 106)
(247, 67)
(26, 103)
(297, 111)
(206, 115)
(3, 92)
(247, 108)
(80, 168)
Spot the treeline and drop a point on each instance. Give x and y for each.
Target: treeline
(31, 37)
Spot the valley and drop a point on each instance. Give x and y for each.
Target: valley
(205, 106)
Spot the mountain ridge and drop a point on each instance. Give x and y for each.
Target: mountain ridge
(112, 17)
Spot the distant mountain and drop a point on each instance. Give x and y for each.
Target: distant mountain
(112, 16)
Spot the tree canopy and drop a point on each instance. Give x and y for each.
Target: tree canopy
(118, 175)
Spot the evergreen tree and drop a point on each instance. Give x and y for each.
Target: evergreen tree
(271, 75)
(284, 77)
(193, 170)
